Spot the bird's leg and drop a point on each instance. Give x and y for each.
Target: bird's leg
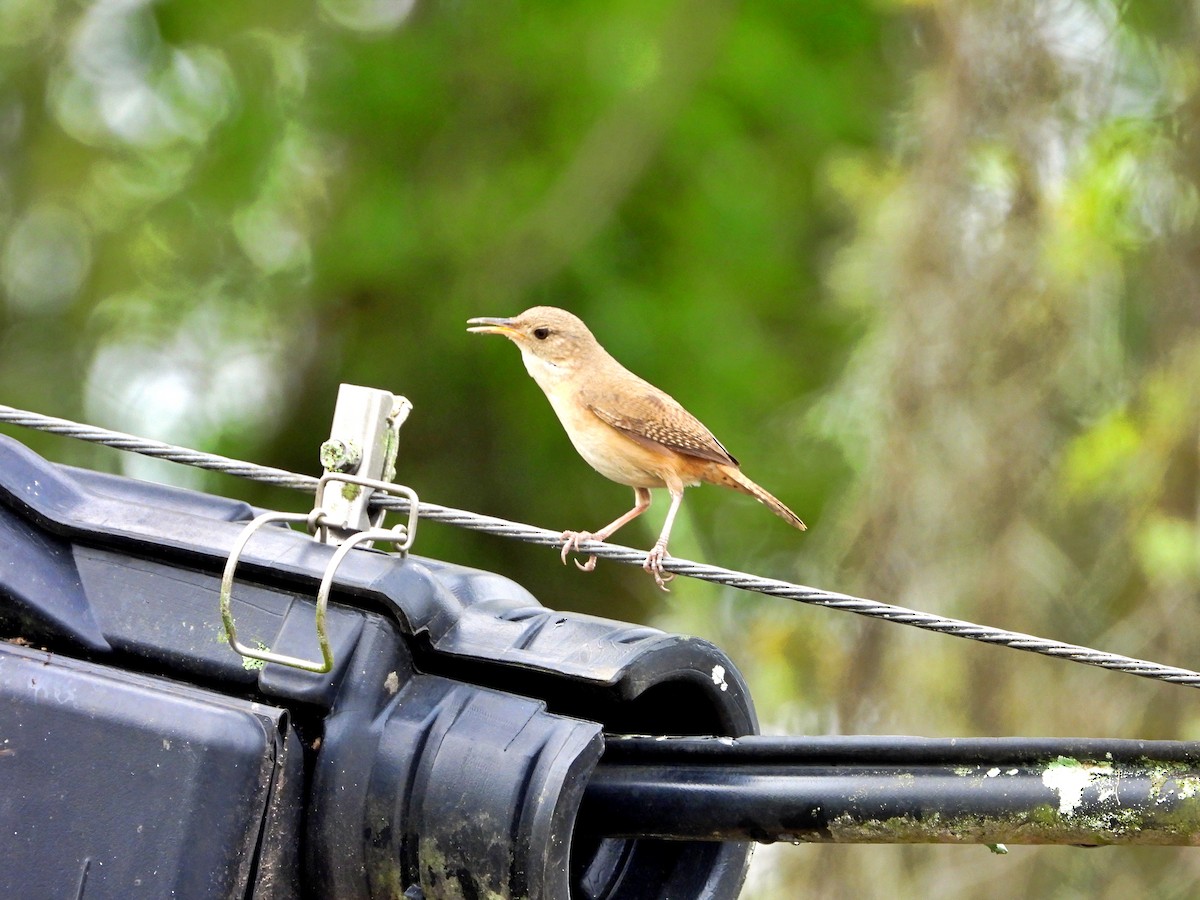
(654, 559)
(572, 539)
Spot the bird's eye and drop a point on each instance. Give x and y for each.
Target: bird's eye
(541, 333)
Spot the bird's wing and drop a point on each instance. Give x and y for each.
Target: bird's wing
(653, 418)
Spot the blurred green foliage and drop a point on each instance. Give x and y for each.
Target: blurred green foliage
(929, 269)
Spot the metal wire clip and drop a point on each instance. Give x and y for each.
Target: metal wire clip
(366, 423)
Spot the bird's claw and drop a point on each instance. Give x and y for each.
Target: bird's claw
(654, 565)
(571, 541)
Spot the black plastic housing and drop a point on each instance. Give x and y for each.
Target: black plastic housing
(446, 753)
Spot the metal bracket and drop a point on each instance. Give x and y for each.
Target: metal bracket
(359, 459)
(362, 442)
(407, 533)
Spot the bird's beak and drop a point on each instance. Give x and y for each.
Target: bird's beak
(488, 325)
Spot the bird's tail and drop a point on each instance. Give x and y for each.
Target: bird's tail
(731, 476)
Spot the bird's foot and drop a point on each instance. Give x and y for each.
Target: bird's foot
(571, 541)
(654, 565)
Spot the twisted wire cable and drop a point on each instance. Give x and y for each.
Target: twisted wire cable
(531, 534)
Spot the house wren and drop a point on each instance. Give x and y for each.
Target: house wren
(624, 427)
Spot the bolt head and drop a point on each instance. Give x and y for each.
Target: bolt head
(340, 456)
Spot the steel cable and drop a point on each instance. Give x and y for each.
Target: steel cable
(531, 534)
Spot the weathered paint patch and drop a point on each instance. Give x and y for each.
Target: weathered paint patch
(718, 678)
(1068, 778)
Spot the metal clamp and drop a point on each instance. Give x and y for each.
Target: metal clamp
(374, 484)
(400, 535)
(310, 519)
(363, 442)
(364, 439)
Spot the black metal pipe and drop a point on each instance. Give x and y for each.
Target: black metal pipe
(897, 790)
